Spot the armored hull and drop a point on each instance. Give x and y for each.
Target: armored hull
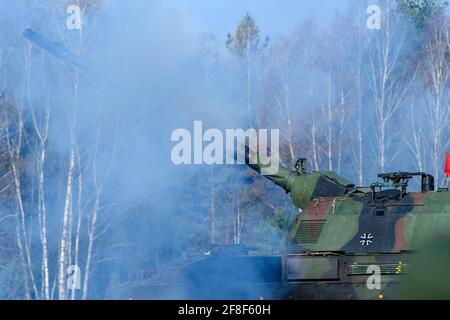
(288, 277)
(347, 242)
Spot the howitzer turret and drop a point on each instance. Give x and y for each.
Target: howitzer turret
(302, 186)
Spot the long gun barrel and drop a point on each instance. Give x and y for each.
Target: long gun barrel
(61, 52)
(280, 178)
(58, 50)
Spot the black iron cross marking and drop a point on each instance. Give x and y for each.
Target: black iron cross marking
(366, 239)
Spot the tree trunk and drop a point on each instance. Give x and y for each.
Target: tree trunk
(65, 226)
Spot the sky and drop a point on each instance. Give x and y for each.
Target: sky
(275, 18)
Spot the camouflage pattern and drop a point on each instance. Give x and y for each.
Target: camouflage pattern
(354, 228)
(338, 223)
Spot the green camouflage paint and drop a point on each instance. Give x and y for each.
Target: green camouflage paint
(341, 234)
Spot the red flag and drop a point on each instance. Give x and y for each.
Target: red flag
(447, 164)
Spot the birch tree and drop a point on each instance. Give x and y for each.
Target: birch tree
(358, 29)
(436, 70)
(389, 79)
(13, 140)
(245, 44)
(414, 134)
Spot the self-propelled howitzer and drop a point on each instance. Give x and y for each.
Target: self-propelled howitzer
(346, 243)
(384, 217)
